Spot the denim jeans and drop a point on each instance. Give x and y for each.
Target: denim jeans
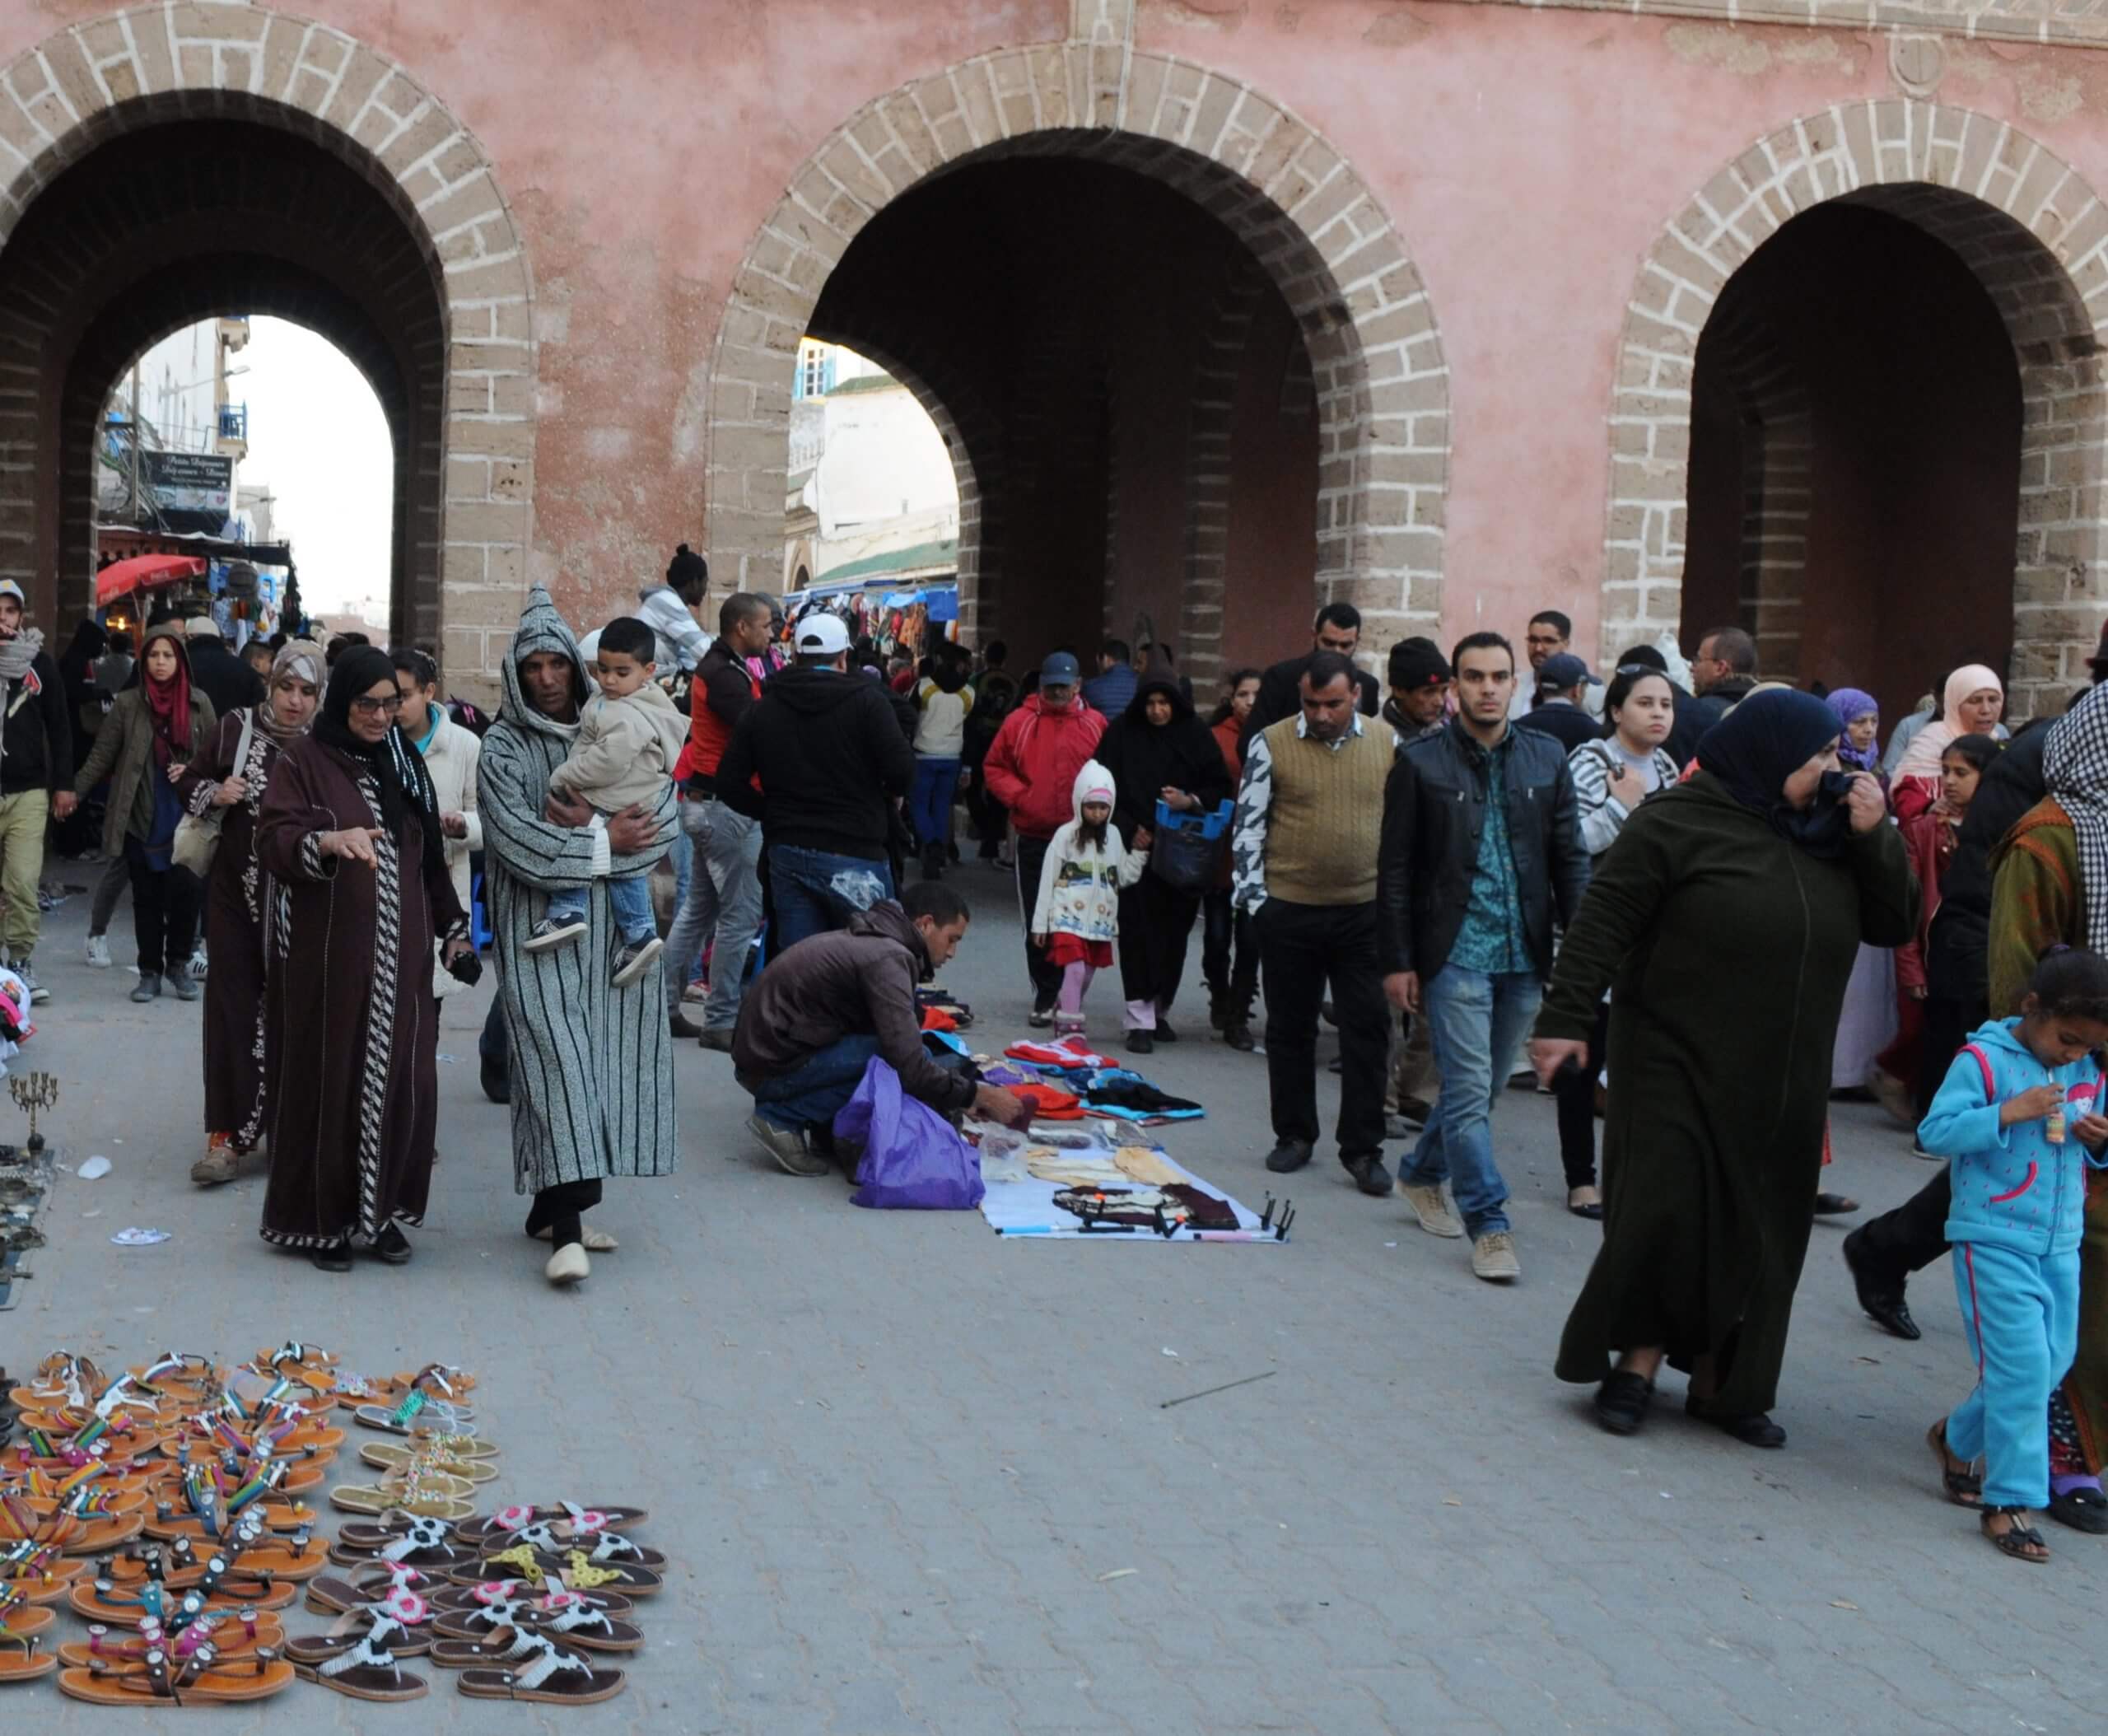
(724, 900)
(930, 800)
(629, 902)
(816, 890)
(809, 1094)
(1478, 1021)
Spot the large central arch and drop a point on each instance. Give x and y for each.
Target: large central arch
(2034, 236)
(1380, 378)
(409, 259)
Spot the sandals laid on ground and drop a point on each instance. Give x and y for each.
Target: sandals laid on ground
(549, 1676)
(420, 1490)
(568, 1616)
(419, 1542)
(506, 1522)
(467, 1467)
(2021, 1542)
(194, 1680)
(22, 1658)
(577, 1573)
(365, 1586)
(357, 1656)
(230, 1636)
(1964, 1487)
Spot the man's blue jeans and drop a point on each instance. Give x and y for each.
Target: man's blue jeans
(814, 890)
(809, 1094)
(1477, 1022)
(722, 899)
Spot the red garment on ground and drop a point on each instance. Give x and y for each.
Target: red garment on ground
(1065, 950)
(1049, 1103)
(935, 1019)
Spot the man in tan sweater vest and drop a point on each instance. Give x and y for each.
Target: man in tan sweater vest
(1303, 859)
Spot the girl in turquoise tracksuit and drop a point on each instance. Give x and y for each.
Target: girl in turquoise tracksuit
(2021, 1115)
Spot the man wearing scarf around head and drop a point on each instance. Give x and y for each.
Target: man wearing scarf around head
(592, 1070)
(350, 836)
(36, 776)
(1753, 874)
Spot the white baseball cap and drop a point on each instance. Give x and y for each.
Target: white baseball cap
(822, 635)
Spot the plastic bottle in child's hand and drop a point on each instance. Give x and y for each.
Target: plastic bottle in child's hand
(2053, 1126)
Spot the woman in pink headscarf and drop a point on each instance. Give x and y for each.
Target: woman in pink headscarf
(1971, 706)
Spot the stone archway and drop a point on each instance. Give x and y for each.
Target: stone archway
(2034, 236)
(1321, 237)
(464, 376)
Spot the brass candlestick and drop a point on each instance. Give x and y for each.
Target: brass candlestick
(34, 1091)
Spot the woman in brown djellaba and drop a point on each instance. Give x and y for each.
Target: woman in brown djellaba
(350, 835)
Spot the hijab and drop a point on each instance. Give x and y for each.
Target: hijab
(90, 642)
(168, 702)
(406, 787)
(303, 660)
(1922, 759)
(1757, 746)
(2075, 770)
(1850, 704)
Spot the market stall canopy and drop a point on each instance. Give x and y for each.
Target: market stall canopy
(144, 572)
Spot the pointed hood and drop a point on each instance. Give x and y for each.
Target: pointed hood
(541, 629)
(1093, 783)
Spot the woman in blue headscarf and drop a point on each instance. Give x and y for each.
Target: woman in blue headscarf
(1870, 1024)
(1725, 918)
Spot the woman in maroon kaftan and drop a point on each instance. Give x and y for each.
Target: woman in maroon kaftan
(231, 778)
(350, 836)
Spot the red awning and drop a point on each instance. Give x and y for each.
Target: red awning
(144, 572)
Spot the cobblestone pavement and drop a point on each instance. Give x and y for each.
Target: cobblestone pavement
(917, 1479)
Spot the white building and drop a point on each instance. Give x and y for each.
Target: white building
(871, 491)
(187, 411)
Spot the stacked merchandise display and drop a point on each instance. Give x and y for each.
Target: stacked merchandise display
(172, 1508)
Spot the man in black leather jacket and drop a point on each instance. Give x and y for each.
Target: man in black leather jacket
(1482, 848)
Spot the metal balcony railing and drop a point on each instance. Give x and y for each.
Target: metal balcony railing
(234, 421)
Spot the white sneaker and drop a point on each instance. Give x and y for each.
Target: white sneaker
(1493, 1257)
(1430, 1208)
(99, 951)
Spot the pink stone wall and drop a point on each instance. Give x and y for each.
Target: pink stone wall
(1530, 160)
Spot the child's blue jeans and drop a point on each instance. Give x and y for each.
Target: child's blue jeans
(629, 897)
(2021, 1311)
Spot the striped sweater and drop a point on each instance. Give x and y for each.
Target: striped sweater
(1602, 814)
(592, 1064)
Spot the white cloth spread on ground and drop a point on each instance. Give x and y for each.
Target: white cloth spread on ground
(1025, 1206)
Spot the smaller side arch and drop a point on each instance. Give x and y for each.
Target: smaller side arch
(2035, 234)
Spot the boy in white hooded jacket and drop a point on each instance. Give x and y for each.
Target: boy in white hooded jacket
(1077, 916)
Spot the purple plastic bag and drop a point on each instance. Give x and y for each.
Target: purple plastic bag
(913, 1159)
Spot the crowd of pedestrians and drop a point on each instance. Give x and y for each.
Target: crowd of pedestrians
(1468, 860)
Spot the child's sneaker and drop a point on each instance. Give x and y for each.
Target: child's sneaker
(634, 959)
(553, 931)
(1068, 1024)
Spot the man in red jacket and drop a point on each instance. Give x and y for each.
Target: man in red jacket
(1031, 769)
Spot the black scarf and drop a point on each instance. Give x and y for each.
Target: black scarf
(1757, 746)
(405, 786)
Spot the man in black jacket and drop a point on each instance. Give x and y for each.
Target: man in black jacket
(1563, 681)
(36, 776)
(1337, 629)
(832, 763)
(1481, 847)
(228, 682)
(1724, 672)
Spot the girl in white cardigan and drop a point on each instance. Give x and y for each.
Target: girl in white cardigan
(1077, 916)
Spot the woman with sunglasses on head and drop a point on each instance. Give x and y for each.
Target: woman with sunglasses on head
(153, 733)
(351, 833)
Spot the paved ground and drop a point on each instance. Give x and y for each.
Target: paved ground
(917, 1479)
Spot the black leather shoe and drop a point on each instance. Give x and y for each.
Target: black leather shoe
(1756, 1429)
(678, 1025)
(1163, 1032)
(1622, 1400)
(1238, 1034)
(2082, 1508)
(1369, 1174)
(1139, 1042)
(332, 1256)
(391, 1247)
(1289, 1155)
(1881, 1297)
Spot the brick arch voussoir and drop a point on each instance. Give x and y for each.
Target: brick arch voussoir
(2036, 236)
(1316, 228)
(189, 58)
